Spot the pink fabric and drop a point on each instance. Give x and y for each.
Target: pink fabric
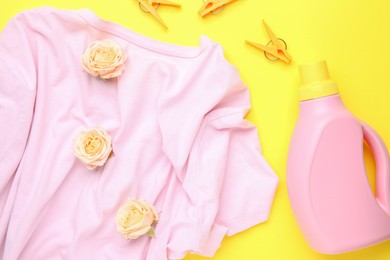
(179, 138)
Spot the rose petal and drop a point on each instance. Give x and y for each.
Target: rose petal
(93, 147)
(135, 218)
(104, 59)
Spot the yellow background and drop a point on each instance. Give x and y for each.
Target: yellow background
(354, 37)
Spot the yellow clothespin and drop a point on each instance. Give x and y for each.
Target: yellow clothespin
(278, 48)
(150, 5)
(212, 5)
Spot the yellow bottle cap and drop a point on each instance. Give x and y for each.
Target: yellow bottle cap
(315, 81)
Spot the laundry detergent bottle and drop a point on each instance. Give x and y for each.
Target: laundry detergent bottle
(328, 187)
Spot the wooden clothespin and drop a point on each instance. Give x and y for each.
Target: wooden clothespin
(212, 5)
(277, 48)
(150, 5)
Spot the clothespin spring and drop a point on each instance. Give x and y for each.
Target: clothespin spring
(276, 59)
(218, 10)
(146, 11)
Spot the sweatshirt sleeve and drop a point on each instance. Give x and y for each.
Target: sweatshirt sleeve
(17, 96)
(228, 184)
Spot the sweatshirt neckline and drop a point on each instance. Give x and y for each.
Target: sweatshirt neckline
(141, 40)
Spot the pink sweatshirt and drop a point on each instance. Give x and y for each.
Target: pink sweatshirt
(180, 142)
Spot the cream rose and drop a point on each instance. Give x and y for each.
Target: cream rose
(135, 218)
(93, 147)
(104, 59)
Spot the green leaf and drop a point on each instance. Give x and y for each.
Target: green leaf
(150, 232)
(111, 154)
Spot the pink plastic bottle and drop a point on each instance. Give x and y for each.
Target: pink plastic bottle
(328, 187)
